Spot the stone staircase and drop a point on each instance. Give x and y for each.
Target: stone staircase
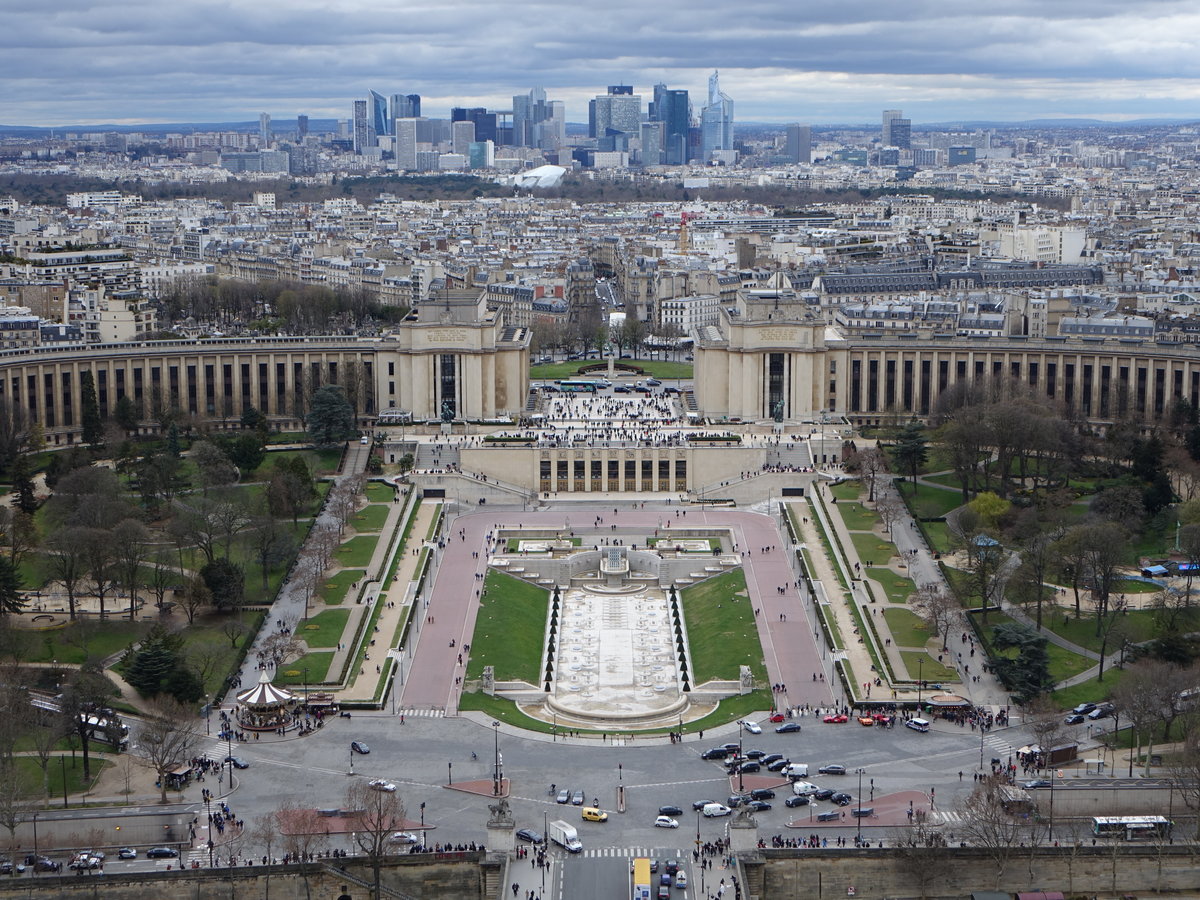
(796, 455)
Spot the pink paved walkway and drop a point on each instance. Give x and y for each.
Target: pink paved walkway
(791, 653)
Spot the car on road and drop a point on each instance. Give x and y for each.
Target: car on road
(577, 798)
(921, 725)
(751, 727)
(747, 767)
(713, 810)
(665, 822)
(762, 794)
(803, 788)
(866, 721)
(758, 805)
(841, 799)
(162, 853)
(700, 804)
(714, 753)
(681, 880)
(360, 747)
(779, 765)
(796, 801)
(1038, 783)
(732, 747)
(1100, 712)
(381, 784)
(1084, 708)
(670, 811)
(788, 728)
(770, 758)
(755, 754)
(776, 718)
(237, 762)
(622, 389)
(832, 770)
(671, 867)
(823, 793)
(653, 382)
(83, 861)
(127, 853)
(42, 863)
(592, 814)
(530, 835)
(564, 796)
(6, 867)
(837, 719)
(664, 892)
(1075, 719)
(404, 837)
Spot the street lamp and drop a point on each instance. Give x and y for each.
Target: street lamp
(920, 679)
(495, 759)
(207, 715)
(422, 821)
(741, 784)
(858, 812)
(305, 671)
(229, 755)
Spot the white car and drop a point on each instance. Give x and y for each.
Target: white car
(804, 788)
(712, 810)
(665, 822)
(752, 727)
(381, 784)
(404, 837)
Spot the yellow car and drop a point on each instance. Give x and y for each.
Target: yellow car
(591, 814)
(866, 721)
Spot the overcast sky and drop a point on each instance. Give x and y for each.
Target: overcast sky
(820, 61)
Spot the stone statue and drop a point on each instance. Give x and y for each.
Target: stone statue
(777, 410)
(744, 818)
(447, 411)
(747, 679)
(488, 680)
(501, 814)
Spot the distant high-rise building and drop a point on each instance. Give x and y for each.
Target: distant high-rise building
(379, 114)
(671, 107)
(404, 106)
(301, 127)
(534, 123)
(896, 130)
(481, 155)
(485, 122)
(463, 136)
(798, 148)
(652, 143)
(264, 129)
(716, 120)
(406, 144)
(361, 124)
(617, 112)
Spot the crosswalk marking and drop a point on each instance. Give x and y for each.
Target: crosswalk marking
(422, 713)
(948, 818)
(216, 750)
(632, 852)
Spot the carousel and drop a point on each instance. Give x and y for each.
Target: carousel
(266, 707)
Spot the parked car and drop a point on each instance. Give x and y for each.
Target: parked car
(577, 798)
(778, 717)
(751, 727)
(762, 794)
(530, 835)
(42, 863)
(665, 822)
(564, 796)
(360, 747)
(796, 801)
(404, 837)
(841, 798)
(1084, 708)
(127, 853)
(715, 753)
(755, 754)
(822, 793)
(700, 804)
(779, 765)
(758, 805)
(592, 814)
(162, 853)
(832, 770)
(237, 762)
(1100, 712)
(788, 728)
(747, 767)
(866, 721)
(837, 719)
(1075, 719)
(670, 811)
(381, 784)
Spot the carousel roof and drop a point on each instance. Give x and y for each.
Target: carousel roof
(265, 694)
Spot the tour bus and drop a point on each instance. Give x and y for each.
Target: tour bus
(1129, 828)
(578, 386)
(641, 879)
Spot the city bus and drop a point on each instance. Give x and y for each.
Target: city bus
(1129, 828)
(578, 386)
(641, 879)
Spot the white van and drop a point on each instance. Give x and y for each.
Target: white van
(712, 810)
(804, 788)
(917, 724)
(795, 770)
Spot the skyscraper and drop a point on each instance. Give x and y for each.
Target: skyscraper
(264, 129)
(404, 106)
(531, 113)
(301, 127)
(463, 136)
(406, 144)
(672, 109)
(652, 143)
(485, 122)
(379, 114)
(619, 111)
(361, 126)
(798, 148)
(896, 130)
(716, 120)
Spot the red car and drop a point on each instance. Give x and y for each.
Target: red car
(839, 719)
(777, 718)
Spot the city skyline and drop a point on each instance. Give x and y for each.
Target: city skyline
(1018, 60)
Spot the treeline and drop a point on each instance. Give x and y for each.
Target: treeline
(275, 306)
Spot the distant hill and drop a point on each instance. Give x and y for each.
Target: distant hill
(279, 126)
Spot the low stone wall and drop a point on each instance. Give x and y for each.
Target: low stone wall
(1108, 868)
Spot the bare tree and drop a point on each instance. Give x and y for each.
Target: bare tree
(129, 547)
(379, 813)
(233, 629)
(871, 464)
(196, 595)
(302, 832)
(921, 855)
(14, 807)
(1045, 722)
(67, 561)
(890, 510)
(99, 556)
(988, 825)
(278, 647)
(1184, 772)
(169, 734)
(938, 607)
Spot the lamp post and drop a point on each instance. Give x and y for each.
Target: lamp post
(981, 750)
(858, 816)
(207, 715)
(305, 671)
(1050, 827)
(229, 755)
(35, 815)
(351, 752)
(450, 772)
(741, 783)
(920, 679)
(62, 761)
(422, 821)
(495, 759)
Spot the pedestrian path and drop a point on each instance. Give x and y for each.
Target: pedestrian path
(947, 817)
(633, 853)
(410, 712)
(217, 749)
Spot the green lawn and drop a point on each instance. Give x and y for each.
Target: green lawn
(872, 550)
(29, 774)
(356, 552)
(370, 517)
(1083, 631)
(721, 633)
(665, 369)
(908, 630)
(897, 587)
(510, 630)
(380, 492)
(1065, 663)
(320, 462)
(1134, 586)
(921, 665)
(333, 589)
(316, 663)
(84, 639)
(847, 490)
(206, 640)
(947, 479)
(1090, 691)
(930, 502)
(939, 536)
(857, 517)
(324, 629)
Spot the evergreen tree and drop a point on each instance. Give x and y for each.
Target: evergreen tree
(126, 413)
(22, 482)
(93, 426)
(330, 418)
(11, 599)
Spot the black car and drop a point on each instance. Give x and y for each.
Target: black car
(529, 834)
(779, 765)
(770, 758)
(732, 764)
(762, 794)
(42, 863)
(733, 801)
(6, 867)
(823, 794)
(715, 753)
(831, 770)
(699, 805)
(654, 865)
(670, 811)
(796, 801)
(758, 805)
(162, 853)
(841, 798)
(671, 866)
(237, 762)
(788, 728)
(359, 747)
(1038, 783)
(747, 767)
(755, 754)
(732, 748)
(1075, 719)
